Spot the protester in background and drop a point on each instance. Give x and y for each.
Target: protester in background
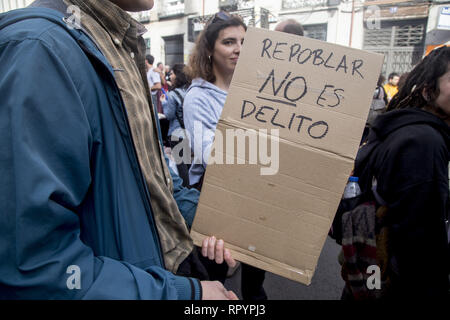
(155, 84)
(211, 67)
(167, 73)
(154, 81)
(89, 209)
(402, 80)
(379, 102)
(290, 26)
(173, 109)
(162, 73)
(377, 106)
(409, 173)
(391, 87)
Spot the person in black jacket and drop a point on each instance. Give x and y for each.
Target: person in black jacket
(411, 170)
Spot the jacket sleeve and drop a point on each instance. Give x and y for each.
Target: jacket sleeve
(413, 180)
(170, 106)
(187, 199)
(200, 126)
(45, 146)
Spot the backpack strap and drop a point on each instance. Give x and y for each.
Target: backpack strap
(177, 112)
(179, 96)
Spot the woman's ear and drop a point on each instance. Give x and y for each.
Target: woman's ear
(426, 95)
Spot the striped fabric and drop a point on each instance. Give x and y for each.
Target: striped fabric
(364, 244)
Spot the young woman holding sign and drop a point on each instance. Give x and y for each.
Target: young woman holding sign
(212, 65)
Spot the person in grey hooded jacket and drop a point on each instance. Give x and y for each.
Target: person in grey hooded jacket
(212, 66)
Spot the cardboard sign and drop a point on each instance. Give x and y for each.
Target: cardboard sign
(306, 102)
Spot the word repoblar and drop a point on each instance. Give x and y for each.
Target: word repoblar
(317, 57)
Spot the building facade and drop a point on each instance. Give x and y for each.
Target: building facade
(7, 5)
(402, 30)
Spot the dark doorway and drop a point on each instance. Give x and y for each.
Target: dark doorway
(174, 48)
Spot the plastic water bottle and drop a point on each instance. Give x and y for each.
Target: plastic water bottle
(352, 188)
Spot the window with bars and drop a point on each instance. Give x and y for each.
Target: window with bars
(298, 4)
(317, 31)
(409, 35)
(174, 49)
(148, 45)
(401, 43)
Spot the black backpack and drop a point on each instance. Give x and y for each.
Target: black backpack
(179, 109)
(368, 193)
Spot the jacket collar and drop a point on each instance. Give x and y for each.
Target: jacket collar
(117, 22)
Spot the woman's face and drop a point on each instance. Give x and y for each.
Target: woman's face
(172, 77)
(443, 99)
(227, 48)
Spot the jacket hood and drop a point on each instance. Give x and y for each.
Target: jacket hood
(201, 83)
(395, 119)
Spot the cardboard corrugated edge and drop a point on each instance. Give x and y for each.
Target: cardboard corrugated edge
(261, 262)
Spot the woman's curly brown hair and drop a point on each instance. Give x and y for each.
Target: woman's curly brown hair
(200, 61)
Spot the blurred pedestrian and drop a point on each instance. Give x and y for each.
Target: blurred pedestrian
(154, 81)
(379, 102)
(173, 109)
(290, 26)
(391, 87)
(161, 69)
(402, 80)
(408, 173)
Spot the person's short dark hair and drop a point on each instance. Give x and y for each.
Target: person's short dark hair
(294, 28)
(291, 26)
(159, 63)
(392, 75)
(402, 80)
(381, 79)
(150, 59)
